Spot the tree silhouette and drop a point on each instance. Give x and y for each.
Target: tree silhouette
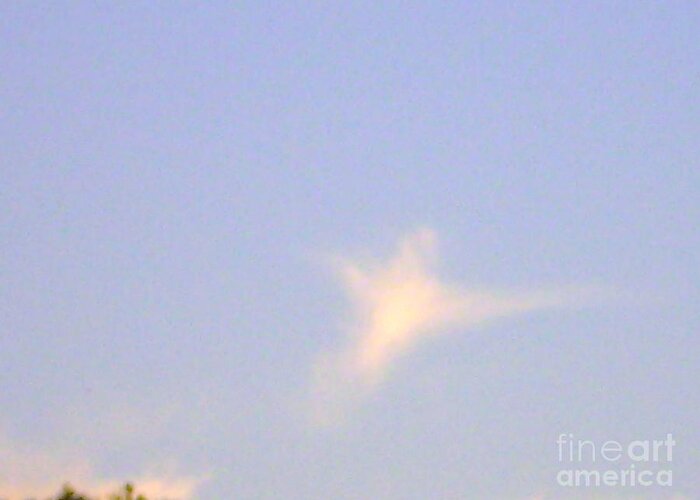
(127, 492)
(68, 493)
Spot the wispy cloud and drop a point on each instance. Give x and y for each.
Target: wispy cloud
(399, 303)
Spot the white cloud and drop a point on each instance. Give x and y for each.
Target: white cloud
(400, 303)
(29, 473)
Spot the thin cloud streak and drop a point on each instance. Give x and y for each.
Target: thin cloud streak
(400, 303)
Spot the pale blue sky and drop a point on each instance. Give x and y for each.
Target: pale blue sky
(174, 176)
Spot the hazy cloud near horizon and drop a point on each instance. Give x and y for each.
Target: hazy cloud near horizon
(26, 472)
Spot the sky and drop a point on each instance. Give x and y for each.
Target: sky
(356, 250)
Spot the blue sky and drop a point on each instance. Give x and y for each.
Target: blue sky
(183, 189)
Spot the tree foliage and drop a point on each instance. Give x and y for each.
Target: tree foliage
(127, 492)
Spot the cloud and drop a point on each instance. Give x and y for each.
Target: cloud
(401, 303)
(29, 473)
(154, 487)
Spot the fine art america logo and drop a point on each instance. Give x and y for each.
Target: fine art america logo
(640, 463)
